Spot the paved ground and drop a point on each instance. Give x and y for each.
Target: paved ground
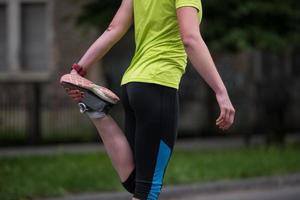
(263, 188)
(286, 193)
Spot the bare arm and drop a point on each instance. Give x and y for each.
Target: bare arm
(202, 61)
(116, 30)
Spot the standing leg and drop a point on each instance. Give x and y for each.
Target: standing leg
(156, 111)
(130, 127)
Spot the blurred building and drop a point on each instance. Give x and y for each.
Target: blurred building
(39, 40)
(38, 43)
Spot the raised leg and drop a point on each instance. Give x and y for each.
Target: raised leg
(116, 145)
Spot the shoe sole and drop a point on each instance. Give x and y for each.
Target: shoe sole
(83, 84)
(90, 102)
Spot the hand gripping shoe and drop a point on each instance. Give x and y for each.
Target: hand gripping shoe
(97, 99)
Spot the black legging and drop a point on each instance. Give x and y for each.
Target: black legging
(151, 119)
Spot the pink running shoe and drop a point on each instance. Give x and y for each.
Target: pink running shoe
(97, 98)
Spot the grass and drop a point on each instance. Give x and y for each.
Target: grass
(31, 177)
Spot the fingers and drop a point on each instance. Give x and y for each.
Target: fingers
(226, 118)
(220, 119)
(231, 119)
(227, 124)
(75, 94)
(74, 91)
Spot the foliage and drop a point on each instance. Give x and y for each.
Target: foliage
(235, 24)
(98, 12)
(230, 24)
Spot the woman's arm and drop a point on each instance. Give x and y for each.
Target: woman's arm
(202, 61)
(116, 30)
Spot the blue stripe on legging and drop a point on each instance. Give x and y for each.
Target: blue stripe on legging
(163, 157)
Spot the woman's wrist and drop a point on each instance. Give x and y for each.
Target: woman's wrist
(79, 69)
(220, 90)
(73, 71)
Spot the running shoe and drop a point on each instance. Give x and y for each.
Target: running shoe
(96, 98)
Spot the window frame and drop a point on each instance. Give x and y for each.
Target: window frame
(5, 45)
(15, 72)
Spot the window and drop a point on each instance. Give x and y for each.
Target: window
(3, 38)
(33, 36)
(25, 39)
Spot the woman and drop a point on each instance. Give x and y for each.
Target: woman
(166, 32)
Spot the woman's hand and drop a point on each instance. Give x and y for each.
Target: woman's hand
(75, 94)
(226, 118)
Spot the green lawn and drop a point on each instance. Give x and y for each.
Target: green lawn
(43, 176)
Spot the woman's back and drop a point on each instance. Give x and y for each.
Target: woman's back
(160, 56)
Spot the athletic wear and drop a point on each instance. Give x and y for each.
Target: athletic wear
(97, 100)
(159, 56)
(149, 92)
(151, 118)
(99, 91)
(79, 69)
(129, 184)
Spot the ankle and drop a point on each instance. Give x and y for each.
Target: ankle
(96, 114)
